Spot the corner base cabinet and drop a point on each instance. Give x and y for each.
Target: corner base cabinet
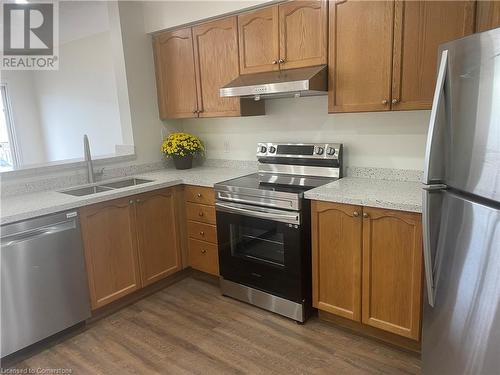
(130, 243)
(367, 266)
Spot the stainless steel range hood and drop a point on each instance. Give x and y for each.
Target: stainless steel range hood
(284, 83)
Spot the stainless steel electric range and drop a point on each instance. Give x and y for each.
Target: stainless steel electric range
(263, 226)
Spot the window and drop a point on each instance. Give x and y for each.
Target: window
(9, 157)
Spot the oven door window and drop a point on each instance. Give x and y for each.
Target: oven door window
(261, 241)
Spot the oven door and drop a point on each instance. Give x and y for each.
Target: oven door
(261, 248)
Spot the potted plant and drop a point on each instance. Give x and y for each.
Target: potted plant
(182, 147)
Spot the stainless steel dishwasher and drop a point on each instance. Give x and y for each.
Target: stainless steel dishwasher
(44, 281)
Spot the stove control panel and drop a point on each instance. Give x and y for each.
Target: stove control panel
(299, 150)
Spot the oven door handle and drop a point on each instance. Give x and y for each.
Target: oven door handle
(290, 218)
(262, 201)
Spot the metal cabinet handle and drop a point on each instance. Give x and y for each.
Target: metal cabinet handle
(202, 233)
(131, 201)
(385, 102)
(203, 251)
(198, 195)
(281, 61)
(138, 201)
(195, 111)
(365, 215)
(275, 62)
(355, 214)
(200, 213)
(395, 101)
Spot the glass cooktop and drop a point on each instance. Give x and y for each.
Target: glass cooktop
(274, 182)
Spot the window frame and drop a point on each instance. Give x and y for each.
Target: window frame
(11, 130)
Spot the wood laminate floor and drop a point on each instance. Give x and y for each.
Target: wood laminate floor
(189, 328)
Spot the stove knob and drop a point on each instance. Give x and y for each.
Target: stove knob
(331, 151)
(262, 149)
(272, 149)
(319, 150)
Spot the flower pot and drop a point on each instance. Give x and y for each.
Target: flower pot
(183, 162)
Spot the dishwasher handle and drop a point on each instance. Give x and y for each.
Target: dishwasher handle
(36, 233)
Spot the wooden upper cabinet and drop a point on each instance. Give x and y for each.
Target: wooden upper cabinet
(216, 59)
(336, 258)
(419, 28)
(303, 29)
(360, 55)
(392, 271)
(157, 237)
(259, 40)
(110, 250)
(175, 74)
(487, 15)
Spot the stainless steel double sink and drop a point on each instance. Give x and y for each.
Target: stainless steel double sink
(104, 186)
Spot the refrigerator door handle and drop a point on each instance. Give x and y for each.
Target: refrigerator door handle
(432, 137)
(430, 235)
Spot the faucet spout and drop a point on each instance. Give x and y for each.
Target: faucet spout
(88, 159)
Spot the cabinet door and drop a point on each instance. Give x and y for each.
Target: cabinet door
(108, 231)
(392, 271)
(360, 57)
(157, 237)
(259, 40)
(216, 59)
(487, 15)
(419, 28)
(336, 258)
(175, 75)
(303, 33)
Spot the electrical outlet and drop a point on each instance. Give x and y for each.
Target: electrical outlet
(227, 146)
(163, 133)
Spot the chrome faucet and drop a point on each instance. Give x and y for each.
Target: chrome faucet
(88, 160)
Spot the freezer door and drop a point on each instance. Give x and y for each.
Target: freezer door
(462, 330)
(463, 147)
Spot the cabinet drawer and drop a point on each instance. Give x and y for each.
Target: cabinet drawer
(201, 231)
(203, 256)
(200, 212)
(199, 194)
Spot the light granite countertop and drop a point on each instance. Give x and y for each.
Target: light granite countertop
(25, 206)
(397, 195)
(394, 195)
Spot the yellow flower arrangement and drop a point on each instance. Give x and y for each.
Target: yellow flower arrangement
(182, 144)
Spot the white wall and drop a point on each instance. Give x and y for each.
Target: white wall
(80, 98)
(26, 117)
(376, 139)
(159, 15)
(137, 48)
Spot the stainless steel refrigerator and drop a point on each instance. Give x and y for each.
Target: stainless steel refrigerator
(461, 211)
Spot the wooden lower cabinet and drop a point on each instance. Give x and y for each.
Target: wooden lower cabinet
(129, 243)
(110, 243)
(204, 256)
(156, 224)
(336, 258)
(201, 230)
(367, 266)
(392, 271)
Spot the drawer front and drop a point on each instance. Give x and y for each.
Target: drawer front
(198, 194)
(200, 212)
(203, 256)
(201, 231)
